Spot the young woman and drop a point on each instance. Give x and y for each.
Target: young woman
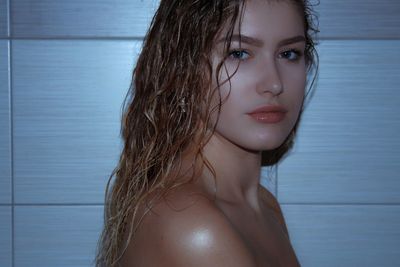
(217, 83)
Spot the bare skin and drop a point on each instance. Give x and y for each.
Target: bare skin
(264, 233)
(233, 221)
(189, 228)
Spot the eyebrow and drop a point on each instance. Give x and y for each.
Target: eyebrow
(258, 42)
(243, 39)
(292, 40)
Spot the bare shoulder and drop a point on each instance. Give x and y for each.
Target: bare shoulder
(271, 202)
(268, 198)
(187, 229)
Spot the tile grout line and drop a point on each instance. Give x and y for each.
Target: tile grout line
(339, 204)
(55, 204)
(140, 38)
(281, 203)
(11, 117)
(77, 38)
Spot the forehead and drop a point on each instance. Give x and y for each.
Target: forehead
(270, 20)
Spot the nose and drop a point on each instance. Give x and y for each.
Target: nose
(271, 81)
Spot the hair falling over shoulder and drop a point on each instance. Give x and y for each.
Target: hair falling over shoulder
(174, 64)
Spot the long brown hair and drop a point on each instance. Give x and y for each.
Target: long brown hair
(163, 109)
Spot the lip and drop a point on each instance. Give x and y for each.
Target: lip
(265, 109)
(268, 114)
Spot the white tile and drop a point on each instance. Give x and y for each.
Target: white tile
(345, 236)
(3, 18)
(359, 18)
(5, 134)
(347, 148)
(87, 18)
(61, 236)
(67, 116)
(5, 236)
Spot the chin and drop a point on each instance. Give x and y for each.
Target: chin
(263, 144)
(270, 142)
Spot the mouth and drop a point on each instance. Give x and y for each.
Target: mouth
(268, 114)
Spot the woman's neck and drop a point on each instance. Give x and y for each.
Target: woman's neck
(237, 172)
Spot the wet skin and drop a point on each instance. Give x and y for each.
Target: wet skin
(176, 232)
(232, 221)
(265, 234)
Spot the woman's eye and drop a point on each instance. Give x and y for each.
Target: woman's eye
(291, 55)
(239, 54)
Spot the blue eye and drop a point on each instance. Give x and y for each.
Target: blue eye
(291, 55)
(239, 54)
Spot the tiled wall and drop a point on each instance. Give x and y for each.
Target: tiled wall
(65, 67)
(339, 187)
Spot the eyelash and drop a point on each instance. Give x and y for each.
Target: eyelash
(297, 53)
(232, 53)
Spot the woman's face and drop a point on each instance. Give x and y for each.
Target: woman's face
(272, 72)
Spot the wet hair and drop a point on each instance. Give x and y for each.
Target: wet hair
(174, 65)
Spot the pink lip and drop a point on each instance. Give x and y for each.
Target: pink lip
(265, 109)
(268, 114)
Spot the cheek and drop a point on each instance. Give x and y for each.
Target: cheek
(294, 82)
(226, 86)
